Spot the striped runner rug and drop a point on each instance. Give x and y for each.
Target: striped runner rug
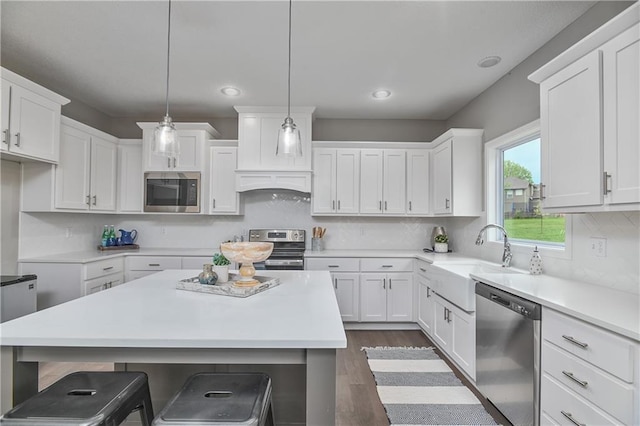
(416, 387)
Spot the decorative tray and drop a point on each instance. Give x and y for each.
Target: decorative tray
(115, 248)
(228, 288)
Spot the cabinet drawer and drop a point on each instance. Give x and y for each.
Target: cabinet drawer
(103, 267)
(554, 400)
(601, 348)
(386, 265)
(423, 268)
(342, 264)
(153, 263)
(603, 390)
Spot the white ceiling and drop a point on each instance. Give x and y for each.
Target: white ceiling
(111, 54)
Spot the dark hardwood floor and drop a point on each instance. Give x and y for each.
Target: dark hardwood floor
(357, 399)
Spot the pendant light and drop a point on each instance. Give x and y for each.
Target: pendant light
(165, 138)
(289, 142)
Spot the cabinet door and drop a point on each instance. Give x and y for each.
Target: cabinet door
(152, 161)
(347, 288)
(5, 91)
(426, 307)
(347, 181)
(621, 79)
(34, 125)
(441, 158)
(103, 174)
(224, 198)
(371, 178)
(189, 158)
(130, 178)
(570, 118)
(463, 341)
(418, 182)
(441, 327)
(400, 297)
(395, 181)
(324, 180)
(373, 297)
(73, 170)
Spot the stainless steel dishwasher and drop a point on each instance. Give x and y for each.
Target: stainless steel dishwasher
(508, 353)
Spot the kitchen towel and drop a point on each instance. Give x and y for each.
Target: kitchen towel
(416, 387)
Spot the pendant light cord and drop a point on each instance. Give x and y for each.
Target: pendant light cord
(168, 52)
(289, 72)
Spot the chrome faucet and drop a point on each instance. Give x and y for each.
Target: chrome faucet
(506, 254)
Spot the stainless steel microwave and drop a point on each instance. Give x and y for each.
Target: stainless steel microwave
(173, 192)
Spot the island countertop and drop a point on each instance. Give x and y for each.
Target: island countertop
(302, 312)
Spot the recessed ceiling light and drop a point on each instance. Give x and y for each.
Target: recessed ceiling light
(489, 61)
(230, 91)
(381, 94)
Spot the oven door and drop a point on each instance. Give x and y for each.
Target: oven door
(172, 192)
(280, 264)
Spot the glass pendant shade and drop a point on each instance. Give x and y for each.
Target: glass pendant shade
(165, 139)
(289, 141)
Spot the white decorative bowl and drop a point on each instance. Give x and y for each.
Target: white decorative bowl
(246, 253)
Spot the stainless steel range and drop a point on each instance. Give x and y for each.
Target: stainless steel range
(288, 248)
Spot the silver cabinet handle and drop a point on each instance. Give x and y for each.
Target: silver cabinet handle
(380, 205)
(582, 383)
(574, 341)
(95, 200)
(423, 270)
(428, 292)
(384, 283)
(385, 206)
(88, 202)
(214, 203)
(18, 139)
(409, 205)
(446, 203)
(542, 187)
(5, 134)
(333, 205)
(333, 266)
(335, 283)
(338, 204)
(154, 264)
(387, 266)
(605, 182)
(571, 419)
(168, 162)
(389, 283)
(174, 162)
(445, 314)
(107, 268)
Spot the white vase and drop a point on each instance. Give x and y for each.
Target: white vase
(223, 273)
(441, 247)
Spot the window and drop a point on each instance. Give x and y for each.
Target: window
(513, 192)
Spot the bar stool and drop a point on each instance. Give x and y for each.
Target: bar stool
(86, 398)
(220, 399)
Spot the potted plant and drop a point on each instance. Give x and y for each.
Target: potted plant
(221, 267)
(441, 244)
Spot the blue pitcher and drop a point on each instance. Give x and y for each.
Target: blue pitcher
(127, 237)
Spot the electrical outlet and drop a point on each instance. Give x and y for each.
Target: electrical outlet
(598, 247)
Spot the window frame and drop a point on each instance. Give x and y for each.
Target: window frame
(495, 203)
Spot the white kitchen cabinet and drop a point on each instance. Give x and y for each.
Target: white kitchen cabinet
(426, 295)
(223, 197)
(386, 297)
(588, 373)
(456, 173)
(193, 154)
(336, 181)
(589, 104)
(346, 283)
(383, 181)
(86, 172)
(103, 283)
(30, 119)
(454, 330)
(418, 182)
(140, 266)
(130, 182)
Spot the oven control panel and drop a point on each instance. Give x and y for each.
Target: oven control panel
(277, 235)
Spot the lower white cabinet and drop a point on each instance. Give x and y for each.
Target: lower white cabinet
(103, 283)
(347, 288)
(454, 330)
(386, 297)
(426, 305)
(589, 375)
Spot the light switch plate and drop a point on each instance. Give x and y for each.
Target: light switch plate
(598, 246)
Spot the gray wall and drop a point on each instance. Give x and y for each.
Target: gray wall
(514, 100)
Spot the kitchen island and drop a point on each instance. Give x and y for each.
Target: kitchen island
(291, 332)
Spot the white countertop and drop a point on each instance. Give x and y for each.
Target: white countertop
(88, 256)
(302, 312)
(417, 254)
(611, 309)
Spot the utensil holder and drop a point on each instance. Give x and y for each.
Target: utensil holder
(317, 244)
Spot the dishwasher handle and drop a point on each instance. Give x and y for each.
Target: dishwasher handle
(496, 298)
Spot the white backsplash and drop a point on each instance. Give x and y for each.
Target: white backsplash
(51, 233)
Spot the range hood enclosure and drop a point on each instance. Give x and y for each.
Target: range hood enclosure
(258, 166)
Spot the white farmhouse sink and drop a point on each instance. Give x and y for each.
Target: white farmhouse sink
(451, 280)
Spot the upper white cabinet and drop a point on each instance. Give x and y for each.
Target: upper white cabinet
(383, 181)
(130, 183)
(193, 138)
(223, 198)
(418, 182)
(336, 181)
(86, 172)
(30, 119)
(456, 173)
(589, 107)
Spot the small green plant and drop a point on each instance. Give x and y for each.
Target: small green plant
(220, 260)
(441, 239)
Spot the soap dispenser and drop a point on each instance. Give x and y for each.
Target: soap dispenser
(535, 264)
